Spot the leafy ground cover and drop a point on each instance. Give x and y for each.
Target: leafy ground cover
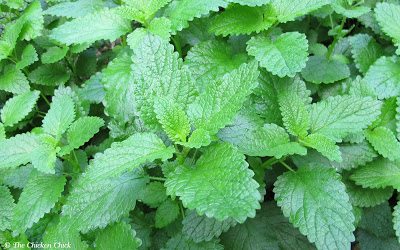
(196, 124)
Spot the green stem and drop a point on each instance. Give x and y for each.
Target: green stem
(286, 166)
(182, 210)
(154, 178)
(269, 163)
(336, 39)
(45, 98)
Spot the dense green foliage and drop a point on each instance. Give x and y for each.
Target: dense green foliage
(199, 124)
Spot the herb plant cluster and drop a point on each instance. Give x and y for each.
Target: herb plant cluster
(200, 124)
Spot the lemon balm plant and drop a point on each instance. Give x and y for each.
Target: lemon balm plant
(196, 124)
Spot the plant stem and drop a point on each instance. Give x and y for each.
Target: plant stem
(45, 98)
(286, 166)
(336, 39)
(182, 210)
(154, 178)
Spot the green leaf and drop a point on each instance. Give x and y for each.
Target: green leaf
(221, 185)
(117, 79)
(180, 12)
(145, 9)
(286, 11)
(75, 9)
(319, 70)
(17, 150)
(250, 2)
(173, 119)
(201, 228)
(153, 194)
(396, 220)
(105, 24)
(159, 73)
(14, 81)
(45, 155)
(238, 19)
(117, 236)
(365, 51)
(198, 139)
(7, 207)
(166, 213)
(179, 241)
(17, 177)
(9, 37)
(323, 144)
(37, 198)
(269, 230)
(92, 203)
(385, 142)
(338, 116)
(81, 131)
(54, 54)
(60, 115)
(322, 210)
(55, 233)
(49, 74)
(217, 105)
(18, 107)
(398, 118)
(212, 59)
(376, 229)
(257, 140)
(33, 21)
(294, 103)
(383, 76)
(388, 16)
(348, 9)
(367, 197)
(2, 132)
(28, 57)
(283, 56)
(380, 173)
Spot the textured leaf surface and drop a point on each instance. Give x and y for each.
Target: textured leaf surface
(37, 198)
(321, 207)
(159, 73)
(75, 9)
(7, 207)
(49, 74)
(180, 12)
(45, 155)
(385, 142)
(365, 51)
(117, 236)
(221, 185)
(339, 116)
(321, 70)
(17, 150)
(153, 194)
(367, 197)
(173, 119)
(81, 131)
(326, 146)
(54, 54)
(269, 230)
(181, 242)
(383, 76)
(251, 2)
(284, 56)
(166, 213)
(28, 56)
(218, 104)
(380, 173)
(105, 24)
(201, 228)
(238, 19)
(56, 233)
(388, 16)
(212, 59)
(376, 229)
(60, 115)
(18, 107)
(286, 11)
(14, 81)
(95, 204)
